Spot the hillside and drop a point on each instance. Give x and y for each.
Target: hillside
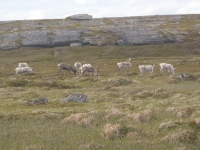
(124, 110)
(147, 30)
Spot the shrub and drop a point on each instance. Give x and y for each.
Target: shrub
(184, 112)
(18, 83)
(113, 114)
(184, 136)
(119, 82)
(81, 119)
(114, 131)
(74, 118)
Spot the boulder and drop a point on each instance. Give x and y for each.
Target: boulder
(186, 77)
(76, 98)
(80, 17)
(39, 101)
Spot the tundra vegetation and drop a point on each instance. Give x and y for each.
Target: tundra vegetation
(124, 111)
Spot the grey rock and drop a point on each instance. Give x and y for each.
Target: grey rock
(39, 101)
(36, 38)
(76, 98)
(84, 29)
(139, 36)
(49, 38)
(80, 17)
(75, 44)
(121, 42)
(65, 37)
(186, 77)
(9, 41)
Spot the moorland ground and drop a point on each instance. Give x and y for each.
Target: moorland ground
(125, 111)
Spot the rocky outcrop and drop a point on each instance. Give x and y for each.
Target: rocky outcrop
(80, 17)
(81, 30)
(139, 36)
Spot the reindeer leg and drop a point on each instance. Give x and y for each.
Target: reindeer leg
(119, 70)
(60, 71)
(67, 71)
(82, 74)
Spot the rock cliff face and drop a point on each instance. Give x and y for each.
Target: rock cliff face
(80, 30)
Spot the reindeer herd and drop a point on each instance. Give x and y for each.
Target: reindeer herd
(80, 68)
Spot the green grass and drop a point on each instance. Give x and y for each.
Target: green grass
(139, 104)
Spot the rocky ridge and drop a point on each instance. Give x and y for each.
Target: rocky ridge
(81, 30)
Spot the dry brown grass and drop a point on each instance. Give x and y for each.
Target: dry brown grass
(111, 131)
(182, 136)
(90, 146)
(167, 125)
(142, 117)
(81, 119)
(74, 118)
(184, 112)
(144, 94)
(113, 113)
(86, 122)
(197, 120)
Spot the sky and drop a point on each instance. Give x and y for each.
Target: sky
(59, 9)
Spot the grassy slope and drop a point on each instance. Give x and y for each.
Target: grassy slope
(112, 98)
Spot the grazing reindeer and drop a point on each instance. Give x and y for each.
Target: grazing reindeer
(122, 65)
(87, 65)
(78, 66)
(23, 65)
(66, 67)
(25, 70)
(146, 68)
(89, 69)
(169, 67)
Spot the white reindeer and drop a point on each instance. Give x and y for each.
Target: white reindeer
(169, 67)
(87, 65)
(25, 70)
(77, 66)
(122, 65)
(23, 65)
(146, 68)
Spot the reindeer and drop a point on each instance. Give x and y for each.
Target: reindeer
(66, 67)
(77, 66)
(169, 67)
(122, 65)
(25, 70)
(146, 68)
(89, 69)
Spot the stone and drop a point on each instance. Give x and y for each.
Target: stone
(80, 17)
(75, 44)
(76, 98)
(38, 101)
(121, 42)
